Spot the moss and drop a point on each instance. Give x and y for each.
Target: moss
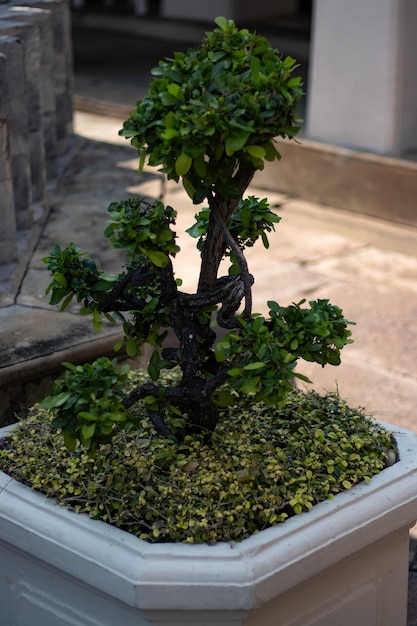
(263, 465)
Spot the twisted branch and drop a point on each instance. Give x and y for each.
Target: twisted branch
(246, 277)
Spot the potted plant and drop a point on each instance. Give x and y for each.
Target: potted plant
(213, 446)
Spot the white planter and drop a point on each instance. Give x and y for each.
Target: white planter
(345, 562)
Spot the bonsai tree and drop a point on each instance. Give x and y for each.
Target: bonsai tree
(223, 445)
(209, 120)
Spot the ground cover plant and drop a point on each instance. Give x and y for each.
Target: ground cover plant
(215, 443)
(263, 465)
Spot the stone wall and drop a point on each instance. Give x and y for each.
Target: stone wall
(36, 91)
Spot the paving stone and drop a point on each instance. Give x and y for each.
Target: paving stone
(32, 292)
(385, 395)
(385, 333)
(102, 129)
(385, 269)
(48, 332)
(309, 216)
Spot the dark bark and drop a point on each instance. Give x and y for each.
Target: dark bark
(201, 374)
(214, 246)
(177, 394)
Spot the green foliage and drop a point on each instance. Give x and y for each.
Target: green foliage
(262, 466)
(210, 117)
(214, 106)
(263, 352)
(143, 229)
(75, 274)
(250, 220)
(87, 403)
(147, 322)
(316, 334)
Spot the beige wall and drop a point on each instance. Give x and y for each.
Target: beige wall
(363, 69)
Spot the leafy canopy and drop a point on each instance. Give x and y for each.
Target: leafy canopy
(216, 105)
(209, 119)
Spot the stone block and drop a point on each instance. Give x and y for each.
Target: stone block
(5, 170)
(8, 240)
(22, 189)
(18, 126)
(4, 89)
(38, 166)
(43, 19)
(29, 34)
(36, 113)
(62, 64)
(50, 137)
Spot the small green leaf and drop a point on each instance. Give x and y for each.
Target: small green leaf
(66, 302)
(271, 152)
(200, 167)
(60, 279)
(183, 164)
(254, 366)
(255, 67)
(302, 377)
(189, 187)
(235, 371)
(119, 345)
(131, 347)
(235, 142)
(70, 441)
(169, 120)
(289, 61)
(169, 133)
(167, 98)
(101, 285)
(256, 151)
(154, 366)
(87, 431)
(57, 295)
(174, 90)
(250, 385)
(97, 321)
(222, 398)
(159, 259)
(52, 402)
(294, 82)
(221, 22)
(286, 94)
(124, 369)
(333, 357)
(110, 318)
